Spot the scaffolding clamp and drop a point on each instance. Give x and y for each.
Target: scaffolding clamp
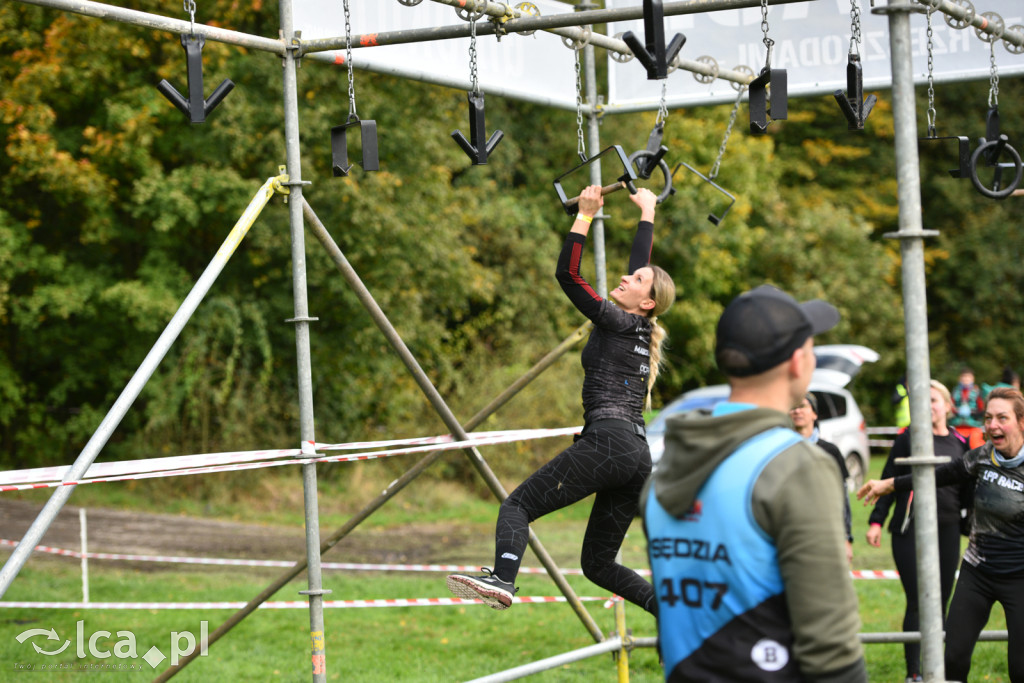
(195, 107)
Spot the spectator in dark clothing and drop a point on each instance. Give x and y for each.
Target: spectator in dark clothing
(805, 422)
(946, 442)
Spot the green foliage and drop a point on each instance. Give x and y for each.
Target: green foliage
(114, 205)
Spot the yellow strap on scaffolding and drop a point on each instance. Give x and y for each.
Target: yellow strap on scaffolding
(248, 217)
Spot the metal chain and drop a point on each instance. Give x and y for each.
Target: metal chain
(931, 80)
(581, 147)
(855, 27)
(348, 61)
(190, 7)
(662, 106)
(768, 42)
(728, 131)
(472, 53)
(993, 91)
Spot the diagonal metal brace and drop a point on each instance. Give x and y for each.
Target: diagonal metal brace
(854, 106)
(778, 82)
(339, 146)
(481, 146)
(655, 56)
(195, 107)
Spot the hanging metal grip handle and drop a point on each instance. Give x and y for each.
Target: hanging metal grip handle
(195, 107)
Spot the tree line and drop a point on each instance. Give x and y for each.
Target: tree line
(113, 205)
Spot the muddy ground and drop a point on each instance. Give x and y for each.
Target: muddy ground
(127, 532)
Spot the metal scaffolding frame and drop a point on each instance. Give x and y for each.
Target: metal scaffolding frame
(291, 49)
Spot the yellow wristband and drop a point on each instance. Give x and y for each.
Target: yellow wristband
(585, 219)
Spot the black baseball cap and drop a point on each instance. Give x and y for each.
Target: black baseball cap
(762, 328)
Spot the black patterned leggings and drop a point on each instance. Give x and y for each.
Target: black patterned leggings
(611, 462)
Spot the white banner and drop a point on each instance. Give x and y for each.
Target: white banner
(532, 67)
(812, 43)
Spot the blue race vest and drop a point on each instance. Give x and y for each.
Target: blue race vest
(715, 571)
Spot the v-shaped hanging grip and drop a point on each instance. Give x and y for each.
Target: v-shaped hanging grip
(855, 108)
(479, 149)
(367, 140)
(654, 55)
(196, 107)
(777, 80)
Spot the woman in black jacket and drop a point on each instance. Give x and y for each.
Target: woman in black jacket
(947, 442)
(610, 457)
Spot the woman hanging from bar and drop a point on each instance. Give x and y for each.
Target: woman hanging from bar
(993, 565)
(610, 457)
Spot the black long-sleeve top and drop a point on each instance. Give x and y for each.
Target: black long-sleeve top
(997, 527)
(948, 498)
(616, 358)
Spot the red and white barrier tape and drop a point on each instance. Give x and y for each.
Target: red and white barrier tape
(227, 462)
(350, 566)
(289, 604)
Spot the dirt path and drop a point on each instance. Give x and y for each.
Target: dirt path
(126, 532)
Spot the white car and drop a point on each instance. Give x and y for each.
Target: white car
(839, 418)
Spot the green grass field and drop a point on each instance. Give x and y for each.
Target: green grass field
(447, 643)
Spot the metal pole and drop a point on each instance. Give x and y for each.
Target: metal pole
(99, 10)
(136, 383)
(315, 591)
(552, 24)
(610, 645)
(85, 551)
(915, 312)
(594, 141)
(390, 492)
(438, 402)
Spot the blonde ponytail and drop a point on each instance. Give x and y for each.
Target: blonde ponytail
(663, 291)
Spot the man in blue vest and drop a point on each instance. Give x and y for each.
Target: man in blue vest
(744, 518)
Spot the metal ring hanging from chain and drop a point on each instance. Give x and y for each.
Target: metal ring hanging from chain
(966, 21)
(190, 7)
(1010, 47)
(409, 3)
(706, 78)
(998, 26)
(528, 9)
(620, 57)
